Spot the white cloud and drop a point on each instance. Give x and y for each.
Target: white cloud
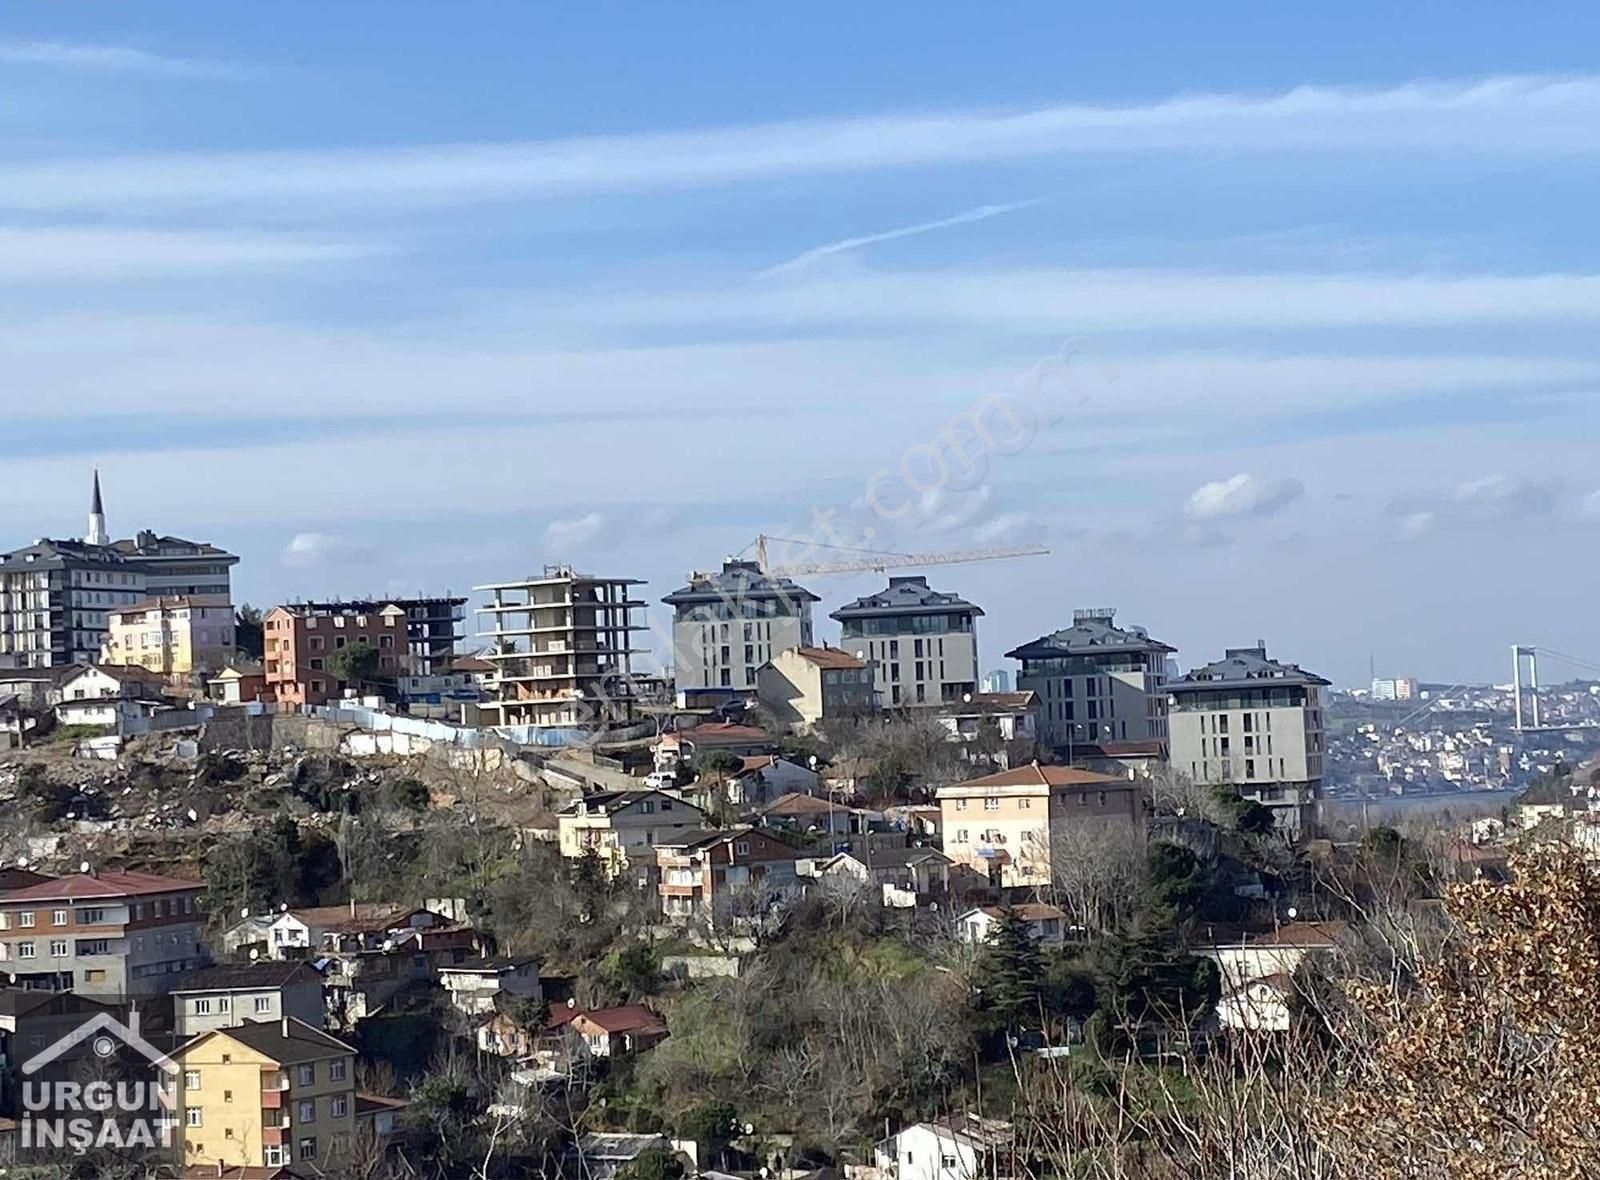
(574, 533)
(1511, 115)
(113, 58)
(31, 254)
(844, 245)
(1501, 497)
(1241, 495)
(316, 550)
(1412, 525)
(1591, 506)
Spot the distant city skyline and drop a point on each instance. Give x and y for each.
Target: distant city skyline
(1300, 305)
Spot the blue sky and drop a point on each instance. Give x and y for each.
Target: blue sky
(1299, 306)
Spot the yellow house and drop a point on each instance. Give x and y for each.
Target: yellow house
(172, 636)
(267, 1095)
(1010, 826)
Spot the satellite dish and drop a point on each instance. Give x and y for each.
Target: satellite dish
(255, 953)
(572, 1002)
(861, 655)
(749, 1128)
(283, 907)
(967, 697)
(83, 865)
(22, 862)
(245, 913)
(1293, 913)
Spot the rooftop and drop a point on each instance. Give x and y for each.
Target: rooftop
(905, 595)
(288, 1041)
(626, 1018)
(1091, 633)
(829, 657)
(105, 883)
(1044, 777)
(1028, 911)
(988, 704)
(268, 973)
(1244, 667)
(735, 581)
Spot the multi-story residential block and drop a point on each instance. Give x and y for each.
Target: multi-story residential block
(922, 643)
(726, 625)
(266, 1094)
(301, 642)
(623, 826)
(1009, 826)
(176, 568)
(104, 933)
(1257, 724)
(1400, 688)
(232, 993)
(803, 686)
(724, 877)
(1101, 688)
(433, 627)
(563, 644)
(56, 598)
(171, 636)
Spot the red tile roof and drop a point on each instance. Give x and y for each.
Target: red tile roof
(629, 1018)
(724, 733)
(103, 884)
(829, 657)
(1034, 775)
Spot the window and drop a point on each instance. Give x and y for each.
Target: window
(336, 1071)
(961, 835)
(191, 1079)
(58, 917)
(224, 1004)
(742, 848)
(339, 1107)
(227, 1095)
(961, 804)
(263, 1004)
(948, 1162)
(308, 1110)
(274, 1157)
(306, 1074)
(24, 950)
(202, 1007)
(308, 1149)
(94, 916)
(25, 919)
(991, 804)
(58, 948)
(194, 1116)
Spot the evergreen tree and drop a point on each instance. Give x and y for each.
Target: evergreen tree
(1013, 971)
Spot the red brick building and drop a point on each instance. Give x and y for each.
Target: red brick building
(302, 642)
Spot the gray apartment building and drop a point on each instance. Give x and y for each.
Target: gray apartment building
(1257, 724)
(726, 625)
(1101, 688)
(229, 994)
(105, 934)
(921, 642)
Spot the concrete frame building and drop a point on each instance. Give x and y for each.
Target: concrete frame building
(725, 625)
(1101, 688)
(1257, 724)
(104, 933)
(563, 644)
(172, 636)
(175, 567)
(922, 643)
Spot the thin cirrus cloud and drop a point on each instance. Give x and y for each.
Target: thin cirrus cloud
(1241, 496)
(114, 59)
(54, 253)
(846, 245)
(313, 550)
(1499, 116)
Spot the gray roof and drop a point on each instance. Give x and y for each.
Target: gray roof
(903, 596)
(303, 1043)
(888, 858)
(738, 580)
(246, 976)
(1090, 634)
(55, 554)
(1244, 667)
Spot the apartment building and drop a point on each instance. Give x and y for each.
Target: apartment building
(434, 626)
(301, 642)
(103, 933)
(232, 993)
(266, 1094)
(1010, 826)
(178, 568)
(620, 826)
(803, 686)
(725, 625)
(56, 595)
(1255, 723)
(724, 877)
(563, 644)
(922, 643)
(1101, 688)
(171, 636)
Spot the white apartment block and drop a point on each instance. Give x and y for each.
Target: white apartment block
(726, 625)
(1255, 723)
(922, 643)
(563, 646)
(1101, 688)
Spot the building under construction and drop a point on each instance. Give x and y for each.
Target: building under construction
(562, 644)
